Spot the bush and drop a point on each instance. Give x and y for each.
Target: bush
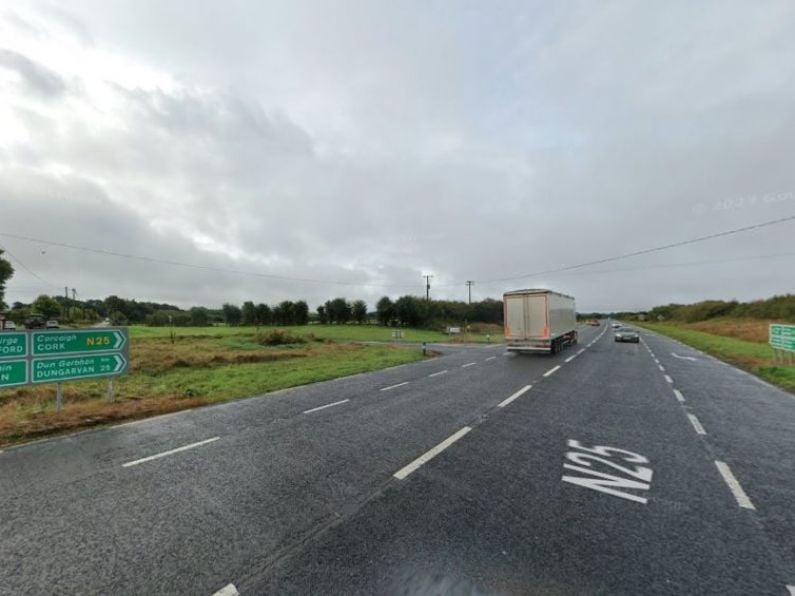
(277, 337)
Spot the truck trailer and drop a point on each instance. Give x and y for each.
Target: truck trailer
(539, 321)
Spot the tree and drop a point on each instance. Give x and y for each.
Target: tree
(301, 313)
(286, 310)
(249, 314)
(199, 317)
(47, 306)
(411, 311)
(322, 315)
(385, 310)
(232, 314)
(339, 311)
(6, 271)
(359, 311)
(263, 314)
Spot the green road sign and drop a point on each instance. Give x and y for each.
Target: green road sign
(782, 337)
(13, 372)
(77, 341)
(70, 368)
(13, 345)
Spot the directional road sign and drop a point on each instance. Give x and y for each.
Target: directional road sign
(13, 372)
(55, 369)
(77, 341)
(13, 345)
(782, 337)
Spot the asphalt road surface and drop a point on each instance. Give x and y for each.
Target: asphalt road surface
(610, 468)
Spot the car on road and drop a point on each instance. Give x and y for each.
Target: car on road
(35, 321)
(616, 325)
(51, 324)
(627, 334)
(10, 326)
(594, 323)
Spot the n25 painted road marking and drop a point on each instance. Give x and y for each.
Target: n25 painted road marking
(636, 478)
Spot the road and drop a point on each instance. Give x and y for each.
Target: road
(607, 469)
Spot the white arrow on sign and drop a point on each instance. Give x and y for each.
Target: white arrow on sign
(120, 362)
(684, 357)
(119, 340)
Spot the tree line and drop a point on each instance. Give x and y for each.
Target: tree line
(780, 308)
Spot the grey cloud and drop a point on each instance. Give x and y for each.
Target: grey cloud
(389, 141)
(36, 77)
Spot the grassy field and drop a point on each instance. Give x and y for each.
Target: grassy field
(739, 342)
(203, 366)
(480, 333)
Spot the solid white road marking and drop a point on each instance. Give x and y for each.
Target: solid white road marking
(522, 391)
(684, 357)
(394, 386)
(551, 371)
(734, 486)
(669, 379)
(336, 403)
(570, 358)
(429, 455)
(169, 452)
(491, 358)
(228, 590)
(696, 424)
(679, 396)
(468, 364)
(441, 372)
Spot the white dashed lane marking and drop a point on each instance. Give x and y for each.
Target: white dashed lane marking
(522, 391)
(552, 371)
(336, 403)
(696, 424)
(429, 455)
(169, 452)
(395, 386)
(734, 486)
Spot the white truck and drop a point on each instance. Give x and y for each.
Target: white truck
(539, 321)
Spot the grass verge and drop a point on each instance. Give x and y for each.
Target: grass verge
(480, 333)
(754, 356)
(192, 372)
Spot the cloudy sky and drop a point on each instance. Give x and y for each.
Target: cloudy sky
(346, 148)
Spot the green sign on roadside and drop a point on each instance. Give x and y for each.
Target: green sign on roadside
(13, 345)
(782, 337)
(77, 341)
(13, 372)
(70, 368)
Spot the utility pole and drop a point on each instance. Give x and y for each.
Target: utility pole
(469, 287)
(427, 287)
(74, 300)
(66, 301)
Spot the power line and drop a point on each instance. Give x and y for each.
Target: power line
(644, 251)
(112, 253)
(688, 264)
(106, 252)
(28, 269)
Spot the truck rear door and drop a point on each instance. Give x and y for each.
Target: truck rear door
(536, 313)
